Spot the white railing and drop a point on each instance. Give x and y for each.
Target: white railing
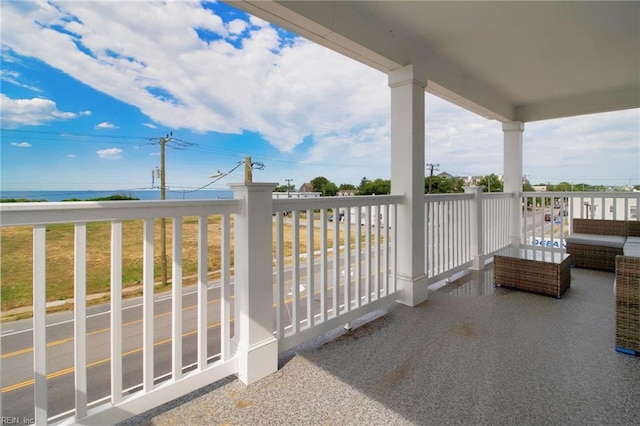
(547, 215)
(447, 234)
(495, 226)
(341, 265)
(213, 360)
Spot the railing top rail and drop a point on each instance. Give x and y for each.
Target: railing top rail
(447, 197)
(287, 204)
(497, 195)
(17, 214)
(570, 194)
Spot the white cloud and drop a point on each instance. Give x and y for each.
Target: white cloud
(71, 156)
(110, 153)
(283, 93)
(30, 112)
(149, 125)
(237, 26)
(149, 55)
(21, 144)
(106, 125)
(13, 77)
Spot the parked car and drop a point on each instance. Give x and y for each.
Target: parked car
(340, 217)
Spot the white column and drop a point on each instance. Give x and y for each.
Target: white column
(407, 177)
(253, 282)
(513, 173)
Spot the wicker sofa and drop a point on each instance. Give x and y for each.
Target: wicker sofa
(628, 304)
(595, 243)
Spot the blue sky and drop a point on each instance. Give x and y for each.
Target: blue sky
(88, 86)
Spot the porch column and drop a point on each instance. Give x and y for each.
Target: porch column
(513, 173)
(407, 177)
(257, 348)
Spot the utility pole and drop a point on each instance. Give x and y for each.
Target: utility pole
(177, 144)
(432, 167)
(289, 187)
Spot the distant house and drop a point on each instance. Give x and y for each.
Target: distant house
(306, 187)
(292, 194)
(471, 180)
(347, 192)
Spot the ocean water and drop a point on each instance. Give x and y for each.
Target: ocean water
(144, 195)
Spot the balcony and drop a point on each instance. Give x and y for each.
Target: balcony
(469, 352)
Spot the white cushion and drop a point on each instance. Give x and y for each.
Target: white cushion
(596, 240)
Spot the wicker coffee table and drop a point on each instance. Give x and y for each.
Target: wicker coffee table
(533, 269)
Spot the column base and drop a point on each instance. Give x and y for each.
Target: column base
(257, 361)
(414, 290)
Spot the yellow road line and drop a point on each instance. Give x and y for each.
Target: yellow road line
(93, 364)
(69, 339)
(102, 361)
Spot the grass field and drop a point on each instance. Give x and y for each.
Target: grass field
(16, 263)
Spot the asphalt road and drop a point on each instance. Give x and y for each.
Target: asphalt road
(17, 353)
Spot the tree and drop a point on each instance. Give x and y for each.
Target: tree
(329, 189)
(363, 182)
(491, 183)
(378, 187)
(347, 187)
(284, 188)
(443, 185)
(527, 187)
(562, 186)
(318, 183)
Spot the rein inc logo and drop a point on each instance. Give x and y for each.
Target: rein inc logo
(7, 420)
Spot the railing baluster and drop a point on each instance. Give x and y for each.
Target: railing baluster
(367, 254)
(324, 277)
(280, 290)
(387, 224)
(336, 266)
(147, 307)
(378, 224)
(40, 323)
(80, 319)
(310, 267)
(176, 299)
(394, 279)
(347, 267)
(295, 282)
(116, 312)
(203, 273)
(225, 288)
(357, 268)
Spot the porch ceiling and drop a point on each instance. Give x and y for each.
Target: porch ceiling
(508, 61)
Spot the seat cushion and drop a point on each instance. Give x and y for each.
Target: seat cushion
(596, 240)
(633, 240)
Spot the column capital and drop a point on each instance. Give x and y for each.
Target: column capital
(409, 74)
(253, 186)
(513, 126)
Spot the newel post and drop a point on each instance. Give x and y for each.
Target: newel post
(257, 348)
(476, 237)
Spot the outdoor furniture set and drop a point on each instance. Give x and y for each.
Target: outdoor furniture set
(613, 245)
(595, 243)
(607, 245)
(533, 269)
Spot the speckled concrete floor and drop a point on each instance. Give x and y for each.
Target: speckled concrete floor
(471, 354)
